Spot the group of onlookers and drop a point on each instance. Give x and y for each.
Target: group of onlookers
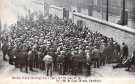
(59, 46)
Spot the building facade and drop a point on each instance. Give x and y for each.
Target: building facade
(98, 8)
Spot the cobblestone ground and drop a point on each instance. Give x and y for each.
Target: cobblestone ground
(104, 71)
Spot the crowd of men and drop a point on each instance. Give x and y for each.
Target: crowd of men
(59, 46)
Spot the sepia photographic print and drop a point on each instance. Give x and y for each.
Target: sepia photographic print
(67, 41)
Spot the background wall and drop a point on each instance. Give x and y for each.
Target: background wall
(99, 8)
(118, 33)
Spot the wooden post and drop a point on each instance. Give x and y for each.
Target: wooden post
(107, 10)
(123, 10)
